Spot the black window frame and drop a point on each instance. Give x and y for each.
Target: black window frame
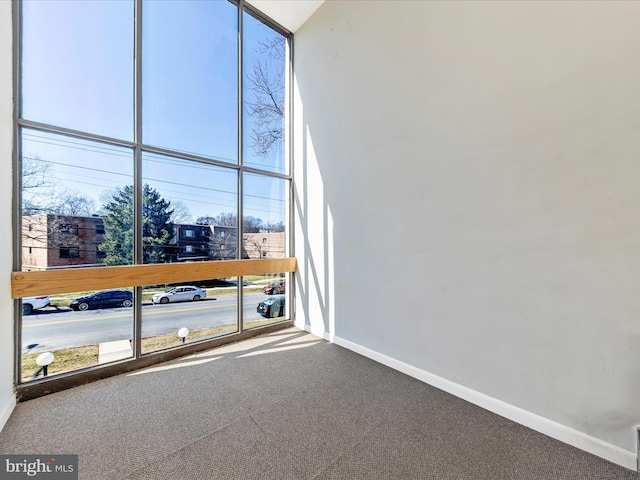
(21, 123)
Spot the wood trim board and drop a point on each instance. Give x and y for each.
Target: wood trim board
(47, 282)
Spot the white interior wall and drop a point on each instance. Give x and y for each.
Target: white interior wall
(467, 202)
(7, 397)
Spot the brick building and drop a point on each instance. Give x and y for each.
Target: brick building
(53, 241)
(50, 241)
(264, 244)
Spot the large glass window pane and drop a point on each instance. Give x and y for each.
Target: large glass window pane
(265, 299)
(264, 109)
(189, 211)
(77, 65)
(76, 207)
(264, 237)
(264, 216)
(79, 192)
(190, 77)
(80, 329)
(70, 219)
(183, 313)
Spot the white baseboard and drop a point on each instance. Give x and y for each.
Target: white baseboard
(540, 424)
(318, 332)
(7, 409)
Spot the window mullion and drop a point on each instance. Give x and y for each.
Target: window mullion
(239, 214)
(137, 176)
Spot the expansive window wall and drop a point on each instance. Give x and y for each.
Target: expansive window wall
(148, 132)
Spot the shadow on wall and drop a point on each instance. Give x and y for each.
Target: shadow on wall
(314, 226)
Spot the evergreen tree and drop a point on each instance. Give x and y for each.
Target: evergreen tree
(157, 228)
(118, 227)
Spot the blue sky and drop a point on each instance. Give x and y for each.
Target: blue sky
(78, 73)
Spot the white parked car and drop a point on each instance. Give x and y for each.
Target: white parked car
(29, 304)
(180, 294)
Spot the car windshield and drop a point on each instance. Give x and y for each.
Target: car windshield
(269, 301)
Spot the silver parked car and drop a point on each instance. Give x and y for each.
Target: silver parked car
(180, 294)
(29, 304)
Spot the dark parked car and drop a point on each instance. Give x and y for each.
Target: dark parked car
(106, 299)
(276, 287)
(272, 307)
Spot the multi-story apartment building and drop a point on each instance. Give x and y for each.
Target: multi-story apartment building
(50, 241)
(264, 244)
(192, 242)
(224, 242)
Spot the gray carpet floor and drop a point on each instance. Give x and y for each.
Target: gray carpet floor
(285, 406)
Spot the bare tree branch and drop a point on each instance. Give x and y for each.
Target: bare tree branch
(265, 80)
(181, 213)
(36, 186)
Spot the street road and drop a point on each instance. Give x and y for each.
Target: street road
(54, 329)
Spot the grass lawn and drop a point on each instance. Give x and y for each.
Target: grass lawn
(70, 359)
